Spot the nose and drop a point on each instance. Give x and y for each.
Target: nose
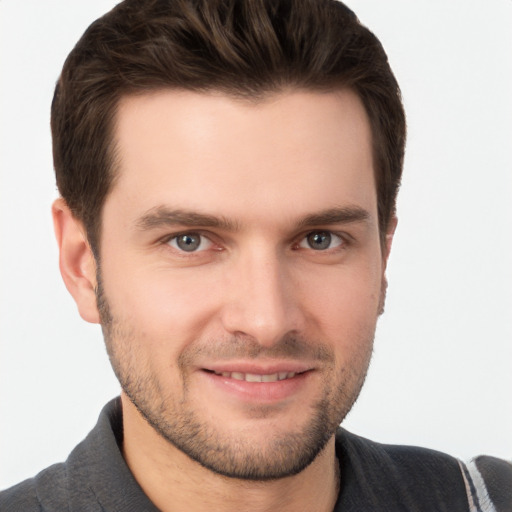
(262, 298)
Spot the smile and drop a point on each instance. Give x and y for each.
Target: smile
(247, 382)
(255, 377)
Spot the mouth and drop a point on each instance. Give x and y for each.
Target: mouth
(273, 383)
(257, 377)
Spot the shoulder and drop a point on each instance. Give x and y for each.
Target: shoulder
(94, 477)
(402, 458)
(44, 492)
(418, 478)
(408, 477)
(489, 483)
(66, 485)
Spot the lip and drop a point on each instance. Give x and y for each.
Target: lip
(260, 367)
(257, 392)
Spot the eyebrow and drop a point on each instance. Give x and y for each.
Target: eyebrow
(162, 216)
(342, 215)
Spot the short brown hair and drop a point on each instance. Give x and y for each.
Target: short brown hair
(246, 48)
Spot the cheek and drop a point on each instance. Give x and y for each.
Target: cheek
(344, 302)
(161, 304)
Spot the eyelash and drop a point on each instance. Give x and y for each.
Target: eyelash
(344, 242)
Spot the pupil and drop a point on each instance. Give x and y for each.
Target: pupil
(189, 242)
(319, 240)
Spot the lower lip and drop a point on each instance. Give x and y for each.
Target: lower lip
(261, 392)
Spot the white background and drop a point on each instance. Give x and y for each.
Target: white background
(441, 375)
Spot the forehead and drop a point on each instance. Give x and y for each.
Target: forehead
(291, 151)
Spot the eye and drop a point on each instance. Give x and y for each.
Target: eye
(190, 242)
(321, 241)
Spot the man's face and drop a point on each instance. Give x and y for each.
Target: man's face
(241, 272)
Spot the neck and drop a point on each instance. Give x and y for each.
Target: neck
(174, 482)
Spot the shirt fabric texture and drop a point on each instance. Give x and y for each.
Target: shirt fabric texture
(374, 477)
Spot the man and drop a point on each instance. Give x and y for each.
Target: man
(228, 173)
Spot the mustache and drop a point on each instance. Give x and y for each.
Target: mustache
(246, 347)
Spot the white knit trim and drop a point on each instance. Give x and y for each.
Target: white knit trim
(480, 501)
(471, 501)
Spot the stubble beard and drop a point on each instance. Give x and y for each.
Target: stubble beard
(230, 453)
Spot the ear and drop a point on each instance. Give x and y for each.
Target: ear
(386, 249)
(388, 240)
(76, 260)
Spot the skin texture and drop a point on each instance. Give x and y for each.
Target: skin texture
(277, 198)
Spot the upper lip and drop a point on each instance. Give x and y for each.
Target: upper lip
(258, 368)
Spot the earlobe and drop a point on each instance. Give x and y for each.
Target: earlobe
(76, 260)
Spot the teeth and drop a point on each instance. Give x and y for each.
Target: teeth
(254, 377)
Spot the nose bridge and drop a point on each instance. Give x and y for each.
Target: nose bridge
(261, 301)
